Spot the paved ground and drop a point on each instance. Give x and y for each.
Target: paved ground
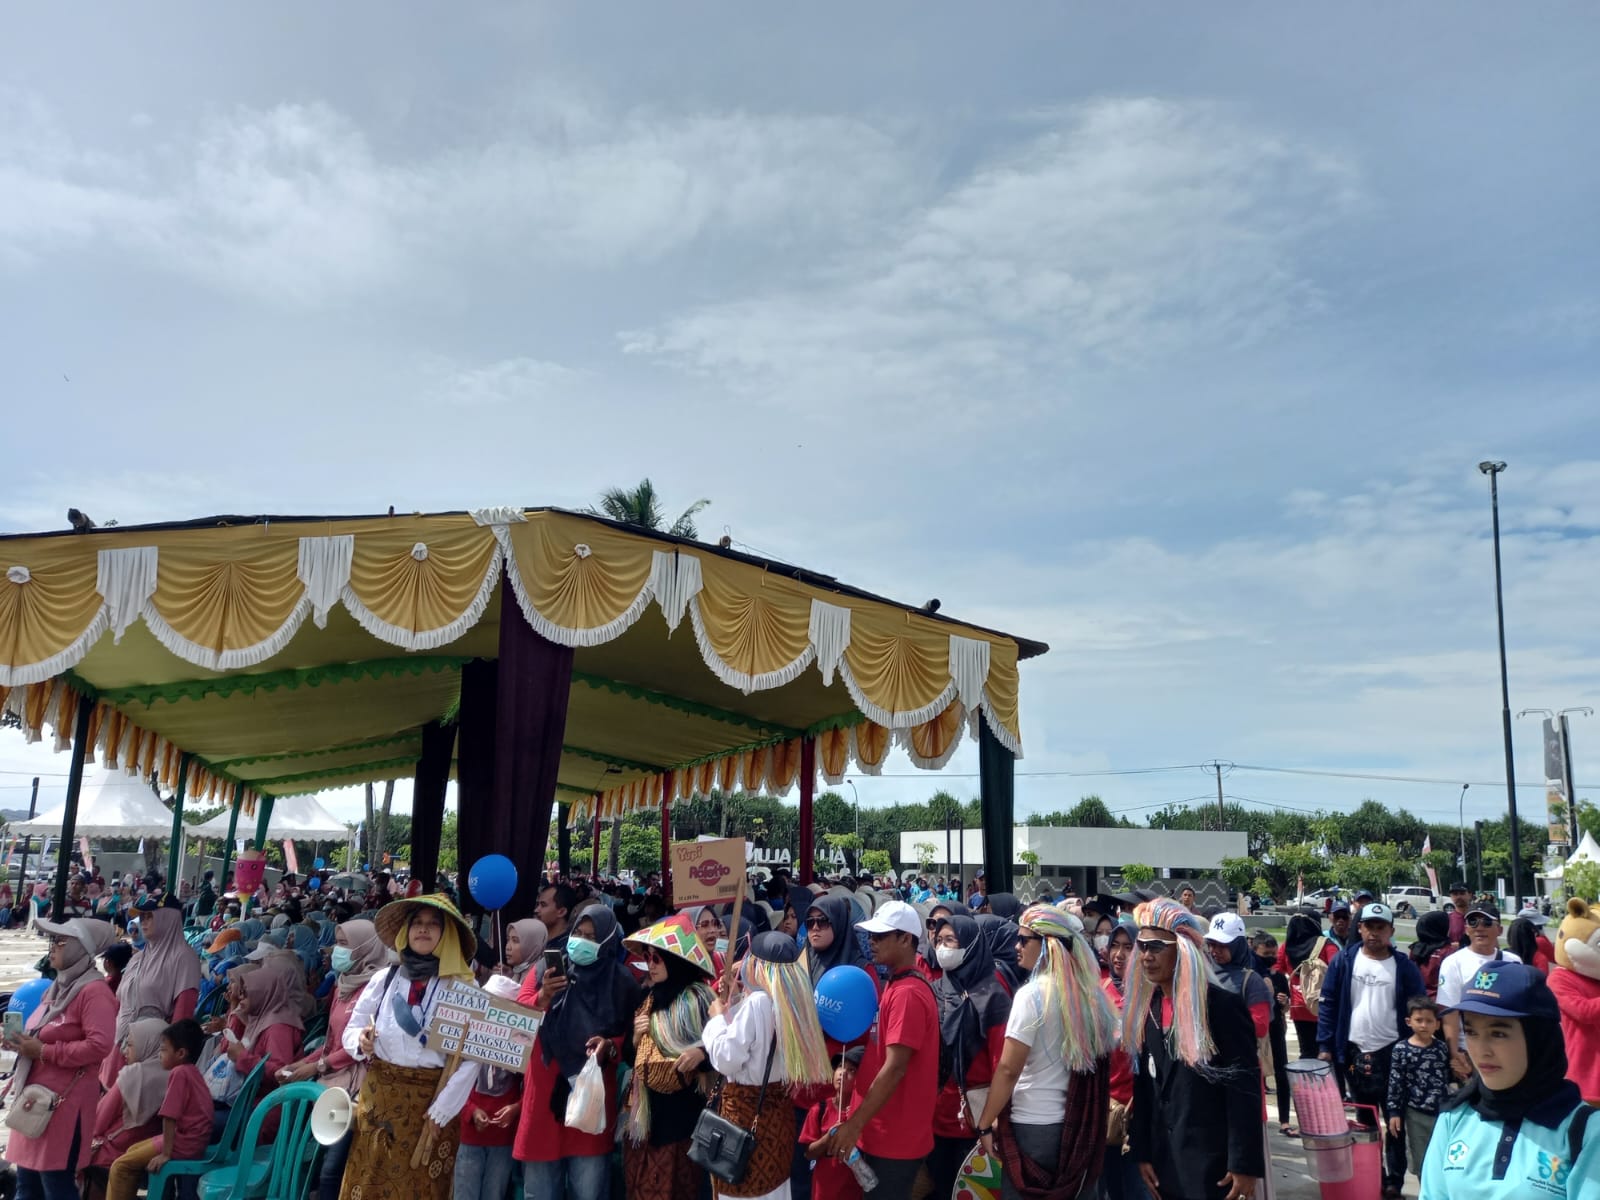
(20, 951)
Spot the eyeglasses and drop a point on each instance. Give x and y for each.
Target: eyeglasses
(818, 923)
(1024, 938)
(1479, 921)
(1153, 946)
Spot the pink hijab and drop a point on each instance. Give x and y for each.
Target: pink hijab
(160, 973)
(270, 1004)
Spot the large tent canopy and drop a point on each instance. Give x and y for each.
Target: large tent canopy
(261, 657)
(108, 806)
(299, 818)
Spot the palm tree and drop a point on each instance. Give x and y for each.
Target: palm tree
(642, 507)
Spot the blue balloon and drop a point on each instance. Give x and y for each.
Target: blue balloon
(493, 880)
(317, 864)
(314, 883)
(847, 1003)
(26, 998)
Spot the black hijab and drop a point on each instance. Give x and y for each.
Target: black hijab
(971, 1000)
(1301, 938)
(1433, 934)
(681, 975)
(845, 951)
(1520, 935)
(1543, 1095)
(599, 1000)
(925, 942)
(1001, 935)
(1004, 904)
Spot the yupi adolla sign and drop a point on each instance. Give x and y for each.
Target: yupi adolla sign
(704, 872)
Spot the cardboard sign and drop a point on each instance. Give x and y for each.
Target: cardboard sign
(467, 1020)
(708, 871)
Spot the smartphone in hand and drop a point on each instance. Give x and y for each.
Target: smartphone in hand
(554, 963)
(13, 1026)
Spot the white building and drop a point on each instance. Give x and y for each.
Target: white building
(1084, 856)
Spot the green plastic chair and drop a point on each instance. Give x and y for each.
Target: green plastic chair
(314, 1043)
(213, 1004)
(281, 1170)
(226, 1150)
(317, 1026)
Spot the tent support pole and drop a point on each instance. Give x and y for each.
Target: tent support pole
(808, 788)
(666, 839)
(69, 816)
(594, 843)
(175, 843)
(263, 820)
(233, 828)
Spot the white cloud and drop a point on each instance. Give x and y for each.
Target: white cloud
(1135, 229)
(508, 381)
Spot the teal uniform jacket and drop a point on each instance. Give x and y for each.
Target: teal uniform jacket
(1470, 1158)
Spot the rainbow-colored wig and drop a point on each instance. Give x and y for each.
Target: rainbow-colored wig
(1068, 978)
(802, 1056)
(1189, 1039)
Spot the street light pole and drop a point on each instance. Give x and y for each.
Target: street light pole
(1492, 469)
(1461, 824)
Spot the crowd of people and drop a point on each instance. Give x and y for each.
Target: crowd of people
(1107, 1048)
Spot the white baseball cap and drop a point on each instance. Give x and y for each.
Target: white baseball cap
(1226, 927)
(893, 916)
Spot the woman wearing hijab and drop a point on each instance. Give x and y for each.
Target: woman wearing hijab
(767, 1033)
(973, 1007)
(1520, 1127)
(668, 1064)
(525, 942)
(128, 1112)
(65, 1038)
(831, 938)
(589, 1011)
(1119, 1178)
(1304, 940)
(797, 902)
(1001, 935)
(162, 981)
(1005, 905)
(1522, 939)
(406, 1108)
(1229, 947)
(1047, 1107)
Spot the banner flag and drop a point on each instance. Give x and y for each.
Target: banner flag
(1433, 875)
(1555, 785)
(289, 857)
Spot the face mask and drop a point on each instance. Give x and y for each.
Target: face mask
(341, 960)
(722, 945)
(138, 943)
(583, 951)
(1101, 941)
(950, 957)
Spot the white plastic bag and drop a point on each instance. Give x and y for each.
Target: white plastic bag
(586, 1106)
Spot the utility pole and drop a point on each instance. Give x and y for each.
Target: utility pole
(1217, 765)
(1477, 833)
(1492, 470)
(1461, 825)
(27, 842)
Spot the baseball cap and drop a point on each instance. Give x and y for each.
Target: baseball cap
(893, 916)
(1483, 910)
(1458, 887)
(1508, 989)
(1226, 927)
(1339, 906)
(1376, 912)
(1363, 894)
(1533, 916)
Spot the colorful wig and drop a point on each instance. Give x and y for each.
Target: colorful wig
(1068, 978)
(802, 1053)
(1189, 1039)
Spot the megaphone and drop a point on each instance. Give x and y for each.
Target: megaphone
(331, 1115)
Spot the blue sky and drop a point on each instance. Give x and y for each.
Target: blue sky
(1171, 337)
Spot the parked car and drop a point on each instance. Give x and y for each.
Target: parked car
(1410, 901)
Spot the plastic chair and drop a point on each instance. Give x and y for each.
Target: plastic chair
(213, 1003)
(317, 1026)
(225, 1150)
(281, 1170)
(313, 1043)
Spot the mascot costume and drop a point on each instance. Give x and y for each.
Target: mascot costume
(1576, 983)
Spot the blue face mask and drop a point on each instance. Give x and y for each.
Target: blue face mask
(341, 960)
(722, 945)
(583, 951)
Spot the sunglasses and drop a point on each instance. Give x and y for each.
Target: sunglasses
(1477, 921)
(1153, 946)
(818, 923)
(1024, 938)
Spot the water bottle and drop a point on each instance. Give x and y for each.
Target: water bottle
(865, 1175)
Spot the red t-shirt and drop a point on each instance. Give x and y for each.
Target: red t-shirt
(947, 1120)
(907, 1016)
(830, 1178)
(188, 1101)
(1121, 1064)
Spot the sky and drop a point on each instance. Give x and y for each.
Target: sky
(1169, 336)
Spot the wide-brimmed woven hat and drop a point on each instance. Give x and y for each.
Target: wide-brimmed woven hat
(393, 916)
(674, 936)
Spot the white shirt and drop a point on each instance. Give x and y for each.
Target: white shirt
(737, 1042)
(394, 1045)
(1040, 1097)
(1456, 971)
(1372, 1003)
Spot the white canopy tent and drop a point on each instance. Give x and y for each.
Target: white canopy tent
(1588, 851)
(299, 818)
(111, 805)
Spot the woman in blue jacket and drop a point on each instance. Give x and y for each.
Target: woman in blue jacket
(1519, 1128)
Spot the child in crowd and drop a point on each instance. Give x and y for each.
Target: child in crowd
(830, 1178)
(185, 1117)
(1419, 1079)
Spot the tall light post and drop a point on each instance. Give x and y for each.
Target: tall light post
(851, 785)
(1461, 824)
(1492, 470)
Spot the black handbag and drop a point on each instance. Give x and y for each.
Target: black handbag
(718, 1146)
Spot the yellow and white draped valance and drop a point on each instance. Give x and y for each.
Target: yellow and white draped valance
(233, 597)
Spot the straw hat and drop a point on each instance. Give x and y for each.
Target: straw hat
(674, 936)
(394, 916)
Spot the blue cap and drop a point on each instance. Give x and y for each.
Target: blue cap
(1508, 989)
